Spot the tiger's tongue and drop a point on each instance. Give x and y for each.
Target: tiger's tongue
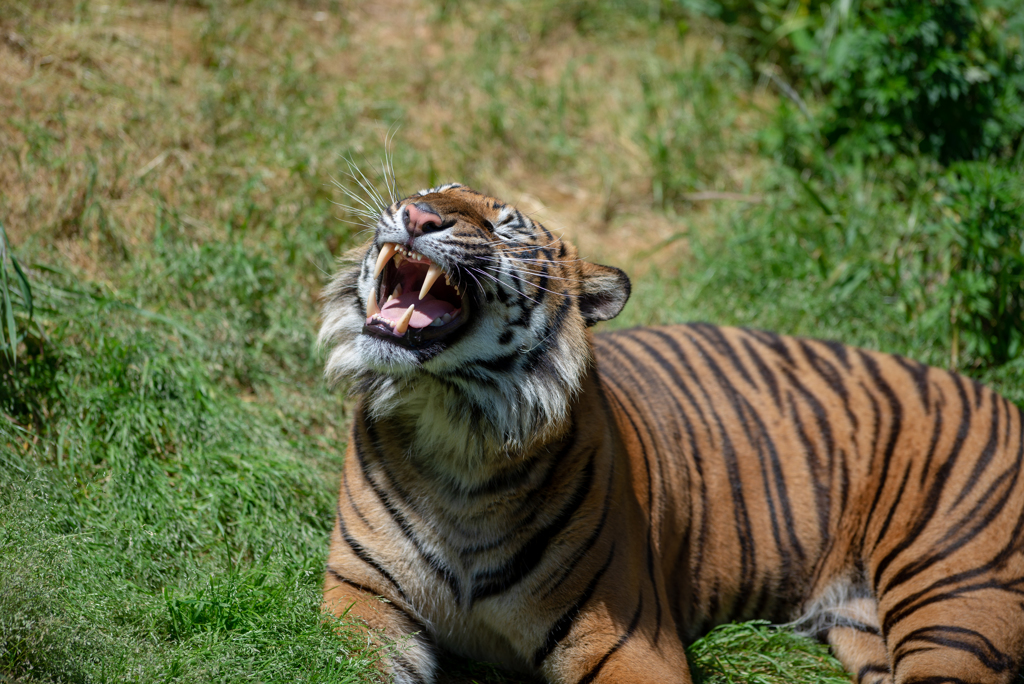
(426, 310)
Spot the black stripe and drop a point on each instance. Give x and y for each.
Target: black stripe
(499, 580)
(435, 563)
(919, 374)
(979, 392)
(531, 501)
(985, 458)
(918, 600)
(843, 622)
(714, 336)
(937, 418)
(873, 668)
(979, 523)
(592, 674)
(765, 372)
(946, 636)
(352, 504)
(896, 423)
(895, 505)
(499, 364)
(876, 428)
(839, 350)
(364, 556)
(667, 367)
(361, 587)
(584, 548)
(516, 476)
(821, 416)
(773, 342)
(832, 377)
(821, 484)
(771, 473)
(932, 497)
(419, 627)
(539, 354)
(563, 624)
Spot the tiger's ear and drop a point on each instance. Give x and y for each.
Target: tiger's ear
(603, 292)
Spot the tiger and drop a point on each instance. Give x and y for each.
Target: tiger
(579, 507)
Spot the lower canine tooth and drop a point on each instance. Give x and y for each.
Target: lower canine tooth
(403, 322)
(371, 307)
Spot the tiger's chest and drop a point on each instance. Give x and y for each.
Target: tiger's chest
(488, 566)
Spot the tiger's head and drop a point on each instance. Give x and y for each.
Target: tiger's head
(467, 319)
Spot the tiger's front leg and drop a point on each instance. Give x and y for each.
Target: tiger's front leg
(410, 657)
(623, 639)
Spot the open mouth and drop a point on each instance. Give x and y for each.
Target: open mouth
(417, 301)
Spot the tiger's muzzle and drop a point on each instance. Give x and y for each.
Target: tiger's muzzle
(414, 306)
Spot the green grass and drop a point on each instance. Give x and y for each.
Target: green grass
(169, 455)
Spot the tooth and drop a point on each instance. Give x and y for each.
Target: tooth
(371, 307)
(436, 322)
(403, 322)
(433, 273)
(447, 318)
(386, 252)
(398, 290)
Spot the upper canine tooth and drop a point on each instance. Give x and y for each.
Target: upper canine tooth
(433, 273)
(403, 323)
(386, 252)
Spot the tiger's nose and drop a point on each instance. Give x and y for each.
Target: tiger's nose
(420, 218)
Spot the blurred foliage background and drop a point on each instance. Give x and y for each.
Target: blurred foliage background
(170, 208)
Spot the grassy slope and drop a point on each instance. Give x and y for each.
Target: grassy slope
(168, 455)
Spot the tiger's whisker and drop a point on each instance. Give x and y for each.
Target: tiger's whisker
(560, 294)
(370, 209)
(367, 186)
(498, 280)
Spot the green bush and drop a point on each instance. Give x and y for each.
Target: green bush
(945, 77)
(912, 76)
(961, 273)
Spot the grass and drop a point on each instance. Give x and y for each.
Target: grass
(168, 452)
